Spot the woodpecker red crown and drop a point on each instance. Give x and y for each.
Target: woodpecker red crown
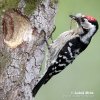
(90, 18)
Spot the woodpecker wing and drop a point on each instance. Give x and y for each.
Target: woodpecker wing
(56, 46)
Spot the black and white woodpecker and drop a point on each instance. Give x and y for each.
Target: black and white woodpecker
(68, 45)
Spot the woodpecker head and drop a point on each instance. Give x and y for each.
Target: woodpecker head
(89, 25)
(85, 21)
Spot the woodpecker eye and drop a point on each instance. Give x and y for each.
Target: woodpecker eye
(82, 19)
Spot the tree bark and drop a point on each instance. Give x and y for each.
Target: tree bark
(20, 65)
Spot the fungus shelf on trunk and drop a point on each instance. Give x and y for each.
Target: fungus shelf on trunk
(16, 28)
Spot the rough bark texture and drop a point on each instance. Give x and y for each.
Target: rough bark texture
(20, 66)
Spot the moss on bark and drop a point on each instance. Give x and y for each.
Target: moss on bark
(31, 5)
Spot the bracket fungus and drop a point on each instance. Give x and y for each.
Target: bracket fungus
(16, 28)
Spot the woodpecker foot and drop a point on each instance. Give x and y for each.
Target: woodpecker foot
(52, 33)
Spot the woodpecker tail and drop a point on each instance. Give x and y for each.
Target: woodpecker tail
(44, 80)
(37, 87)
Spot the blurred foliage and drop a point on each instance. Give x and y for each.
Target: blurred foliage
(8, 4)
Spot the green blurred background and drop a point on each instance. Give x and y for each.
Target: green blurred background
(83, 74)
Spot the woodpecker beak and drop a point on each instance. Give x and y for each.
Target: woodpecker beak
(75, 18)
(72, 16)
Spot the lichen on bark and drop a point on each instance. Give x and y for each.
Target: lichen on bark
(4, 60)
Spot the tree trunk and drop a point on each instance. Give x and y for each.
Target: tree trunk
(22, 48)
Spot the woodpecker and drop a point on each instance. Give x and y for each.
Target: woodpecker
(68, 46)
